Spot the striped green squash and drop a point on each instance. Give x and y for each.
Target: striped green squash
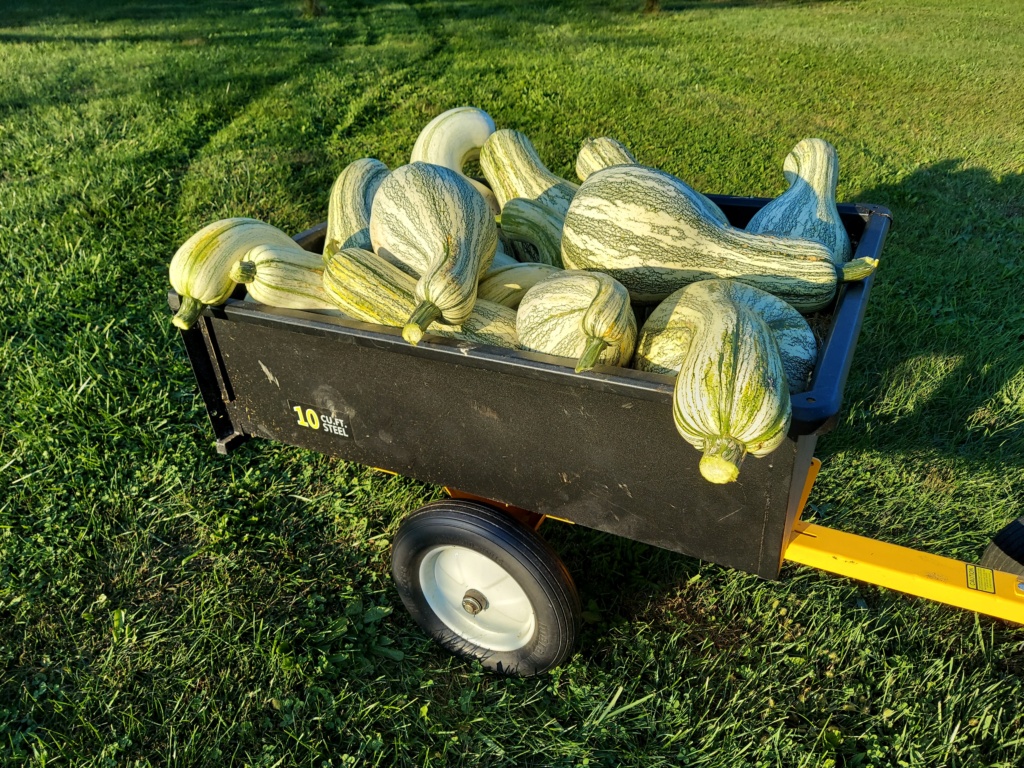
(602, 152)
(283, 276)
(582, 315)
(537, 225)
(431, 219)
(507, 285)
(730, 397)
(666, 335)
(649, 231)
(348, 210)
(605, 152)
(200, 270)
(808, 208)
(513, 169)
(453, 139)
(366, 287)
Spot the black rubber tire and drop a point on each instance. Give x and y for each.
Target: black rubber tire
(1006, 552)
(520, 551)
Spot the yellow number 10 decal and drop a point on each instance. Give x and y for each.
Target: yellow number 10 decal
(307, 417)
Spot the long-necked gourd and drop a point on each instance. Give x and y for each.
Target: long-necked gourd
(649, 231)
(602, 152)
(507, 285)
(200, 270)
(453, 139)
(366, 287)
(350, 203)
(666, 335)
(283, 276)
(582, 315)
(730, 397)
(808, 208)
(430, 218)
(513, 168)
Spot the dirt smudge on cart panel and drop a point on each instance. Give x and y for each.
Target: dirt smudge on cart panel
(270, 376)
(485, 411)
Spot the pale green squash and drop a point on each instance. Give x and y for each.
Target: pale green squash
(502, 257)
(808, 208)
(331, 312)
(283, 276)
(453, 139)
(200, 270)
(582, 315)
(366, 287)
(513, 169)
(431, 219)
(730, 397)
(350, 203)
(605, 152)
(507, 285)
(602, 152)
(666, 335)
(650, 231)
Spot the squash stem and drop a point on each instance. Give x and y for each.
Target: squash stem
(588, 359)
(420, 319)
(187, 313)
(722, 459)
(858, 269)
(243, 271)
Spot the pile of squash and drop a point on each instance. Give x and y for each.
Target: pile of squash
(527, 260)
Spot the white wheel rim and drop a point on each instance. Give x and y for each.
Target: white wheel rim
(506, 622)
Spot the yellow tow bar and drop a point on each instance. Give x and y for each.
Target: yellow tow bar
(942, 579)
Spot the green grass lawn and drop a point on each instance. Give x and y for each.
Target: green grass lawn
(161, 605)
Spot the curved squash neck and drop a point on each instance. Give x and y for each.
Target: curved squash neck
(813, 163)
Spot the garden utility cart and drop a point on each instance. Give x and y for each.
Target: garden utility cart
(523, 438)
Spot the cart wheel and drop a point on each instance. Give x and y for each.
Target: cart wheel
(486, 587)
(1006, 552)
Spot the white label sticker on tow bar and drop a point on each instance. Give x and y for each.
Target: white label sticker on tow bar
(314, 418)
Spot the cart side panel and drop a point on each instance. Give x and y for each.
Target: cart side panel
(598, 458)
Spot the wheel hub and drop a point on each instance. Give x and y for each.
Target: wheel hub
(452, 578)
(473, 602)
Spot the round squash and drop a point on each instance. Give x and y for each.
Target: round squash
(667, 333)
(730, 397)
(582, 315)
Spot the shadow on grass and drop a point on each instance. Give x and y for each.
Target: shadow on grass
(188, 24)
(655, 6)
(939, 362)
(25, 12)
